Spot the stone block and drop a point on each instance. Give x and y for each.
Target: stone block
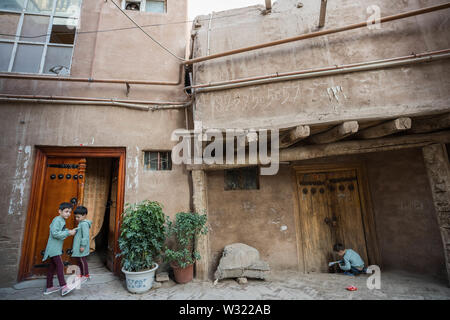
(241, 261)
(162, 276)
(241, 280)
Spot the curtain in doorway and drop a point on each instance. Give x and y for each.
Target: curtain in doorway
(96, 190)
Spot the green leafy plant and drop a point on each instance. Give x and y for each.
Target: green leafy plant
(188, 226)
(142, 236)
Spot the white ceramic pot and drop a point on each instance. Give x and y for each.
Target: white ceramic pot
(140, 282)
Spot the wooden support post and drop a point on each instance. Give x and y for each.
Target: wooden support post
(437, 165)
(337, 133)
(431, 124)
(200, 202)
(385, 129)
(294, 135)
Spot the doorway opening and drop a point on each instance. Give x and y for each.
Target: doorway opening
(100, 199)
(92, 177)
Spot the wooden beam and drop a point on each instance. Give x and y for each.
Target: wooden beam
(200, 202)
(294, 135)
(337, 133)
(323, 13)
(436, 163)
(345, 148)
(431, 124)
(385, 128)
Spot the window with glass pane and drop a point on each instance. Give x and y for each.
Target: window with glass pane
(68, 8)
(34, 28)
(9, 25)
(157, 160)
(46, 30)
(15, 5)
(5, 55)
(40, 6)
(57, 60)
(28, 58)
(155, 6)
(242, 179)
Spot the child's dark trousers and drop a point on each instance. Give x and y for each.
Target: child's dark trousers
(82, 263)
(56, 265)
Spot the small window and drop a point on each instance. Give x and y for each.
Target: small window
(242, 179)
(133, 5)
(155, 6)
(157, 160)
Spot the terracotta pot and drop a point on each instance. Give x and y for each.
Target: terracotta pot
(183, 275)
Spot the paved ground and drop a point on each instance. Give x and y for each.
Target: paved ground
(281, 286)
(288, 285)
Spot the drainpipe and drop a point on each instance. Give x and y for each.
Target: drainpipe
(78, 102)
(327, 71)
(134, 104)
(319, 33)
(92, 80)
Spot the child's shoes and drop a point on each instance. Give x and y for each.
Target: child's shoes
(66, 289)
(84, 278)
(51, 290)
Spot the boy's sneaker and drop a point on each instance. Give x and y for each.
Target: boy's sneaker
(83, 279)
(66, 289)
(51, 290)
(348, 273)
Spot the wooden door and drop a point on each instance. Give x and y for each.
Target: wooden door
(330, 212)
(346, 219)
(63, 182)
(314, 209)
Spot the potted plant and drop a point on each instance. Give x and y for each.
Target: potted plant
(141, 241)
(188, 226)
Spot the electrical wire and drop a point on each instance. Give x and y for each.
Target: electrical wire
(153, 39)
(121, 29)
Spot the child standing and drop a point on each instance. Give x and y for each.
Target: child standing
(80, 248)
(54, 249)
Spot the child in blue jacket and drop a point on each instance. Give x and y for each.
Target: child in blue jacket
(351, 262)
(54, 249)
(80, 248)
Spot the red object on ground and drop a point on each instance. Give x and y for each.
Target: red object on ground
(351, 288)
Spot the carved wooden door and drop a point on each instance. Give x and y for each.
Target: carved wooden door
(63, 182)
(330, 212)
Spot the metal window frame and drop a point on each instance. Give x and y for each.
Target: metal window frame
(45, 44)
(148, 167)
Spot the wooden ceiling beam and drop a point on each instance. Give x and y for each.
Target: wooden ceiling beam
(385, 129)
(336, 133)
(431, 124)
(294, 135)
